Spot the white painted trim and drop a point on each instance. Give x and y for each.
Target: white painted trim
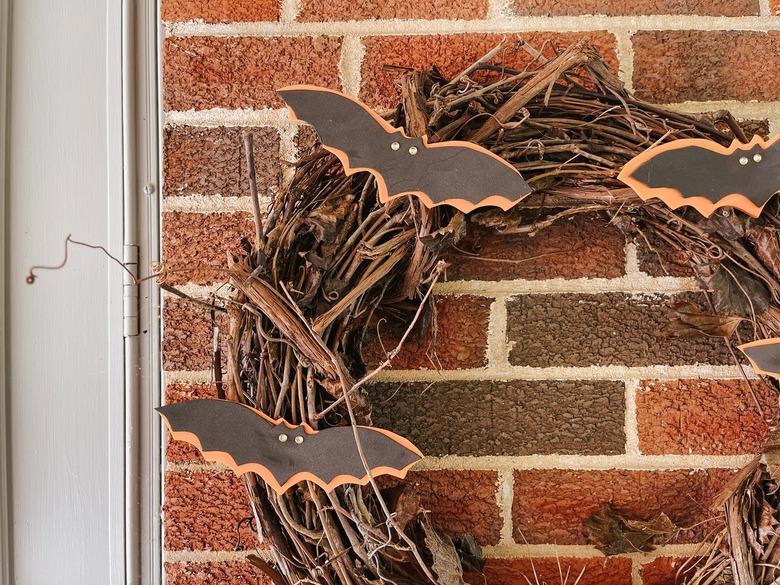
(5, 535)
(141, 96)
(500, 24)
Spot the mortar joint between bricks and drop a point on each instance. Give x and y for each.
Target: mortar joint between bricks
(505, 496)
(498, 346)
(631, 425)
(350, 64)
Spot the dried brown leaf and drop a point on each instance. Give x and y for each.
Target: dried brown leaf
(446, 562)
(767, 247)
(689, 319)
(613, 534)
(737, 292)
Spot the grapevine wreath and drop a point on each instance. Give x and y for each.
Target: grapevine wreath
(329, 261)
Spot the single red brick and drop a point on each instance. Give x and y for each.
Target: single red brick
(585, 247)
(595, 571)
(460, 502)
(639, 7)
(195, 245)
(676, 66)
(551, 506)
(211, 161)
(202, 511)
(717, 417)
(220, 10)
(667, 571)
(312, 10)
(460, 339)
(774, 7)
(187, 335)
(179, 451)
(233, 572)
(453, 53)
(243, 72)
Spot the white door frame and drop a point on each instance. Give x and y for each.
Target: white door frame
(142, 37)
(132, 94)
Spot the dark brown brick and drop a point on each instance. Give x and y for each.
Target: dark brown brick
(667, 571)
(460, 502)
(504, 418)
(452, 54)
(202, 511)
(595, 571)
(717, 417)
(312, 10)
(179, 451)
(676, 66)
(551, 506)
(243, 72)
(602, 329)
(220, 10)
(216, 573)
(195, 245)
(567, 249)
(187, 335)
(460, 339)
(658, 258)
(211, 161)
(641, 7)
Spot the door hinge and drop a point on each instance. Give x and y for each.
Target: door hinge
(131, 304)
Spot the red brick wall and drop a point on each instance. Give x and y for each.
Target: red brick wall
(558, 389)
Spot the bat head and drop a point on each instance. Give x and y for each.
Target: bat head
(707, 175)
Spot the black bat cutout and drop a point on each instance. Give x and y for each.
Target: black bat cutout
(707, 176)
(457, 173)
(764, 356)
(246, 440)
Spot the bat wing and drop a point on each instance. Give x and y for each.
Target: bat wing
(461, 174)
(706, 175)
(246, 440)
(764, 356)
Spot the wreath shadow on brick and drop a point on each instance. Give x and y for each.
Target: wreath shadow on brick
(329, 262)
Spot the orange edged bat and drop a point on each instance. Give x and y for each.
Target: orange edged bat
(706, 176)
(457, 173)
(246, 440)
(764, 356)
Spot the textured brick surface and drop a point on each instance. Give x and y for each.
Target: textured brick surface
(452, 54)
(195, 245)
(617, 8)
(666, 571)
(568, 249)
(504, 418)
(233, 573)
(551, 506)
(605, 329)
(658, 258)
(202, 511)
(456, 340)
(595, 571)
(461, 502)
(676, 66)
(243, 72)
(187, 335)
(774, 7)
(179, 451)
(703, 416)
(220, 10)
(345, 10)
(211, 161)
